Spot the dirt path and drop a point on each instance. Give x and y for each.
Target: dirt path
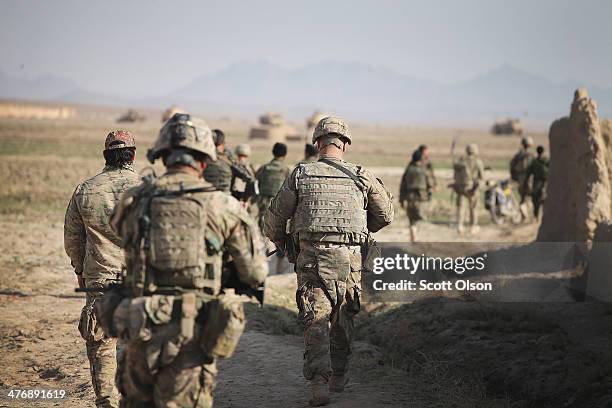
(267, 371)
(40, 345)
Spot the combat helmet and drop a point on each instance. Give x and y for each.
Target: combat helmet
(527, 141)
(472, 149)
(332, 125)
(243, 149)
(184, 131)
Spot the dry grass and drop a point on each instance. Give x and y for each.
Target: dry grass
(43, 160)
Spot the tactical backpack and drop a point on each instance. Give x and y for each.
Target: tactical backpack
(463, 179)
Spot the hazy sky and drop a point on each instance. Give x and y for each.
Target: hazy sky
(149, 47)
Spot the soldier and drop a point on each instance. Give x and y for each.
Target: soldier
(95, 254)
(174, 317)
(219, 172)
(539, 170)
(415, 188)
(424, 150)
(328, 263)
(244, 187)
(310, 154)
(518, 168)
(270, 178)
(468, 176)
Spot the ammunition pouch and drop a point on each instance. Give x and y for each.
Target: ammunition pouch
(224, 324)
(105, 308)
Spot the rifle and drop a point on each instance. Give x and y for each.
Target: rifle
(290, 249)
(230, 280)
(252, 186)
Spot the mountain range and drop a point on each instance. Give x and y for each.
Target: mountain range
(354, 90)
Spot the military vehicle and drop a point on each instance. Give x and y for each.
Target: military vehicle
(312, 122)
(272, 126)
(508, 127)
(168, 113)
(131, 116)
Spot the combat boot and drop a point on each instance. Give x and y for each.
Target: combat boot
(320, 395)
(337, 382)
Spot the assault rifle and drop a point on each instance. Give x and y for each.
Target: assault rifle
(230, 280)
(252, 187)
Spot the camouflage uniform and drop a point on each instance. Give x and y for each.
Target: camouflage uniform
(174, 231)
(95, 254)
(270, 177)
(328, 265)
(467, 187)
(219, 172)
(538, 169)
(415, 188)
(518, 170)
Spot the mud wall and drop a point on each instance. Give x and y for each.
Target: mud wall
(578, 191)
(14, 110)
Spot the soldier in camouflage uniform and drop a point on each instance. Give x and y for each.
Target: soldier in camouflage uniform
(518, 168)
(468, 177)
(270, 178)
(415, 188)
(332, 206)
(94, 252)
(538, 169)
(240, 185)
(424, 151)
(174, 315)
(219, 172)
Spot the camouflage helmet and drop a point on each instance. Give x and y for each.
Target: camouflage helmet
(243, 150)
(472, 149)
(331, 125)
(526, 141)
(119, 139)
(183, 131)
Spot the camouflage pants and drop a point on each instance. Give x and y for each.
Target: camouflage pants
(413, 208)
(328, 297)
(472, 204)
(162, 373)
(262, 203)
(101, 351)
(537, 198)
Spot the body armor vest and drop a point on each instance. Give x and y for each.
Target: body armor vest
(329, 201)
(219, 173)
(416, 178)
(170, 247)
(271, 178)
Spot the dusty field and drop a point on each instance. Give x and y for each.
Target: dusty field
(395, 365)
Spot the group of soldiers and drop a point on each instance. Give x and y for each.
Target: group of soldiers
(156, 256)
(418, 182)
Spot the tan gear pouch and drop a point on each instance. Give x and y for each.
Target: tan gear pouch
(88, 326)
(224, 324)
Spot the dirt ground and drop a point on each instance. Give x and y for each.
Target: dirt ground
(434, 353)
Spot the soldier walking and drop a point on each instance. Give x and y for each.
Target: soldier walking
(270, 178)
(468, 176)
(538, 170)
(332, 206)
(518, 170)
(95, 254)
(171, 311)
(415, 188)
(219, 172)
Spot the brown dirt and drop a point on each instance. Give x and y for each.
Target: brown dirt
(408, 364)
